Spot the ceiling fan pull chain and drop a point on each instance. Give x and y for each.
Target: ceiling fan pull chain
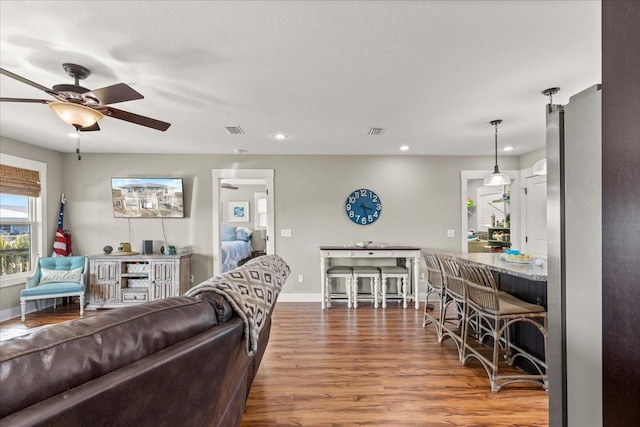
(78, 145)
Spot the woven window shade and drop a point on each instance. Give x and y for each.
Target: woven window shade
(19, 182)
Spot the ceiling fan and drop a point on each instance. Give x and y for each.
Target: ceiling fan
(81, 107)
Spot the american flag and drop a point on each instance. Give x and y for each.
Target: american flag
(62, 242)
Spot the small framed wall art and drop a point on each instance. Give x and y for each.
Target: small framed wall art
(238, 211)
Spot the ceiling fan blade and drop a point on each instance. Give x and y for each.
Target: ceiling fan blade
(137, 119)
(33, 101)
(228, 186)
(116, 93)
(90, 128)
(27, 81)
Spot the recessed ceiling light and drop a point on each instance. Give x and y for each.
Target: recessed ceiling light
(508, 148)
(280, 136)
(404, 148)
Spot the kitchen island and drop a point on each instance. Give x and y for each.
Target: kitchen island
(527, 282)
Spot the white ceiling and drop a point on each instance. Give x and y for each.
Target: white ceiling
(432, 73)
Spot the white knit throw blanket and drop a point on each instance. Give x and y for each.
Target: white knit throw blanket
(252, 290)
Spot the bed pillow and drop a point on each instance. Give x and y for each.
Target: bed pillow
(248, 231)
(49, 276)
(242, 235)
(228, 234)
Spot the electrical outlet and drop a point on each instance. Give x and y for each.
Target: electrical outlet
(285, 232)
(451, 233)
(191, 278)
(300, 278)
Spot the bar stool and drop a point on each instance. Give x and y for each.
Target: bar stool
(365, 272)
(496, 311)
(401, 275)
(435, 289)
(338, 272)
(452, 324)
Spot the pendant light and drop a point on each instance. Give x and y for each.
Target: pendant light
(497, 178)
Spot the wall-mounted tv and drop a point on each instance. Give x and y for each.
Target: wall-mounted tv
(147, 197)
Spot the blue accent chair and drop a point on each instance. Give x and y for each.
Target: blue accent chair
(56, 277)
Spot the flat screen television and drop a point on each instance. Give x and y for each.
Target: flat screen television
(147, 197)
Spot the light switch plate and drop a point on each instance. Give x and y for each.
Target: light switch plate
(451, 233)
(285, 232)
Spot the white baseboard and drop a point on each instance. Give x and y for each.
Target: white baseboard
(14, 312)
(299, 297)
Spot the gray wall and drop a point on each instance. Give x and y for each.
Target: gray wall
(9, 296)
(420, 197)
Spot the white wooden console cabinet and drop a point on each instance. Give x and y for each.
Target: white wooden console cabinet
(119, 280)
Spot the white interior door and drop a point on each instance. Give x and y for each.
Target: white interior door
(535, 218)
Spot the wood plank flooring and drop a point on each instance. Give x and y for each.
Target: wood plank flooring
(364, 367)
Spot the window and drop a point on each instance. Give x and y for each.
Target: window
(261, 216)
(16, 225)
(22, 195)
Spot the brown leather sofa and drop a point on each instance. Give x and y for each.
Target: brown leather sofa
(178, 361)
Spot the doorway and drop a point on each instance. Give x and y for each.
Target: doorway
(241, 190)
(473, 179)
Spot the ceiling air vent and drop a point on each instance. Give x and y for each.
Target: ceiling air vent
(234, 130)
(376, 131)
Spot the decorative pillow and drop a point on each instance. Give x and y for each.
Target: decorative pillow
(248, 231)
(228, 234)
(48, 276)
(242, 235)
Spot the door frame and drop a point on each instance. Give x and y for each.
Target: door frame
(465, 176)
(219, 174)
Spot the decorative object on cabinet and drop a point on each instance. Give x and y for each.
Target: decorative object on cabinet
(499, 237)
(238, 211)
(116, 281)
(497, 178)
(363, 206)
(124, 248)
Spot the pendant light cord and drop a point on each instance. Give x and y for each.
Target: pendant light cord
(496, 166)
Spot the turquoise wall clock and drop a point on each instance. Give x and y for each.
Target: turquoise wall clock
(363, 206)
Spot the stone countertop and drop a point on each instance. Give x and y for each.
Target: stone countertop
(532, 271)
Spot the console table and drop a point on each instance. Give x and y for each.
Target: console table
(119, 280)
(410, 254)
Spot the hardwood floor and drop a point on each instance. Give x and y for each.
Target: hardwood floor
(346, 367)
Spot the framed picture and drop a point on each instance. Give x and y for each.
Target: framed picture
(238, 211)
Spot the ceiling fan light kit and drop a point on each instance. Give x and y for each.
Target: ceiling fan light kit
(81, 107)
(76, 115)
(497, 177)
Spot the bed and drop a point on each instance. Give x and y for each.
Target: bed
(235, 246)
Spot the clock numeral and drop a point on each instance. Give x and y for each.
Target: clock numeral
(370, 218)
(357, 218)
(352, 199)
(348, 207)
(375, 214)
(363, 221)
(363, 192)
(379, 207)
(375, 198)
(351, 214)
